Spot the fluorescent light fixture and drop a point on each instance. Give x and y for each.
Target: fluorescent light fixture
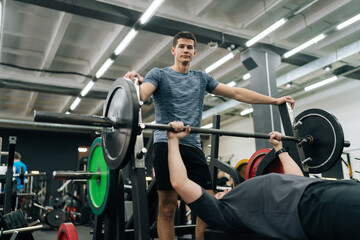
(210, 125)
(231, 84)
(104, 67)
(348, 22)
(126, 41)
(304, 45)
(305, 7)
(155, 5)
(87, 88)
(246, 111)
(246, 76)
(322, 83)
(267, 31)
(219, 62)
(75, 103)
(67, 112)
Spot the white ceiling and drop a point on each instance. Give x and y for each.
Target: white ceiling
(70, 40)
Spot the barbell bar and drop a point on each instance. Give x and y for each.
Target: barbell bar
(41, 116)
(64, 175)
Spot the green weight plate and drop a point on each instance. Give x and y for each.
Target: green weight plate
(122, 106)
(328, 139)
(99, 189)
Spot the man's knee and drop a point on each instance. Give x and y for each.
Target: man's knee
(167, 208)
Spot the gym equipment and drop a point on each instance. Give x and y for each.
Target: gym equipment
(55, 217)
(15, 223)
(262, 162)
(120, 123)
(67, 231)
(328, 139)
(100, 179)
(241, 168)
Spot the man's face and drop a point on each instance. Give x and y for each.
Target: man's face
(184, 50)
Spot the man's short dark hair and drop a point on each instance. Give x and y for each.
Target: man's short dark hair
(184, 34)
(17, 156)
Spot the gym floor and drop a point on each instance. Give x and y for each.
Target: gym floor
(49, 233)
(83, 232)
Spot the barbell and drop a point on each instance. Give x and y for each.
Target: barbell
(100, 179)
(121, 126)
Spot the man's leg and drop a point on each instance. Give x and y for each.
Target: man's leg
(166, 212)
(201, 225)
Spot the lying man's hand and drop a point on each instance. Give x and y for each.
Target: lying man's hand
(275, 140)
(177, 131)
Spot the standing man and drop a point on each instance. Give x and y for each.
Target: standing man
(20, 167)
(178, 94)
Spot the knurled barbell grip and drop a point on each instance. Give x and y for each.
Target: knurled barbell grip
(219, 132)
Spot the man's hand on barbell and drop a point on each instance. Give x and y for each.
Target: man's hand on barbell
(177, 130)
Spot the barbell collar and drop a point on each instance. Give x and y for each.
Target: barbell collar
(64, 175)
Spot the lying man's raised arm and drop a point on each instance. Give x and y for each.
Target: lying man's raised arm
(289, 165)
(188, 190)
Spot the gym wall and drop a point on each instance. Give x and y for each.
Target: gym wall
(342, 101)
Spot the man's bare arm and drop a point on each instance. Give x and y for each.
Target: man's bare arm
(146, 89)
(188, 190)
(289, 165)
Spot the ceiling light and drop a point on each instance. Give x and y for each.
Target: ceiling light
(348, 22)
(87, 88)
(246, 111)
(219, 62)
(150, 11)
(104, 67)
(75, 103)
(231, 84)
(67, 112)
(305, 7)
(322, 83)
(246, 76)
(266, 32)
(82, 149)
(304, 45)
(126, 41)
(210, 125)
(288, 85)
(327, 69)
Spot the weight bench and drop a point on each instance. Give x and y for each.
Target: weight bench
(212, 234)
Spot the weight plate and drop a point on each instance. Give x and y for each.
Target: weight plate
(254, 161)
(55, 218)
(121, 105)
(328, 137)
(241, 168)
(67, 231)
(99, 189)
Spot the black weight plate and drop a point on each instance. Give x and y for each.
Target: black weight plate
(55, 218)
(121, 104)
(328, 137)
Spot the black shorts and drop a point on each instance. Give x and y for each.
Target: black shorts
(194, 161)
(331, 210)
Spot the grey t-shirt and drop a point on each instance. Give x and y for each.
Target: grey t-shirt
(179, 97)
(267, 205)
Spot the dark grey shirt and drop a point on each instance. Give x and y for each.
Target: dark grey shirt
(179, 97)
(266, 204)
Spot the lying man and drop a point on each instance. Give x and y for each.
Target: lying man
(284, 206)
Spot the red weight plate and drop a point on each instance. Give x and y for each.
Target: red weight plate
(254, 161)
(276, 167)
(67, 231)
